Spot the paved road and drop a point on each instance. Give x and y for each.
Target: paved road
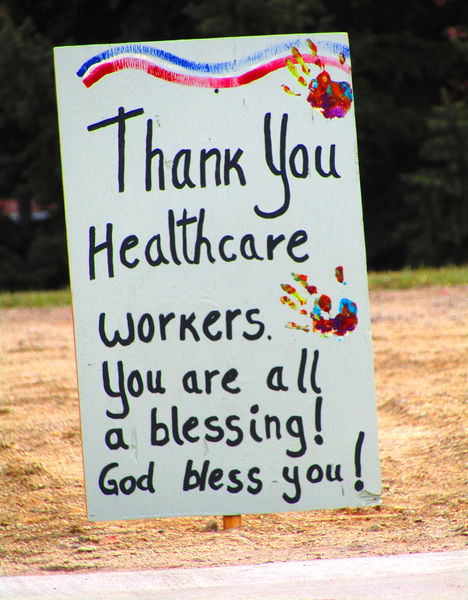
(433, 576)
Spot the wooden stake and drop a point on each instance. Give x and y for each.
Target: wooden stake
(232, 521)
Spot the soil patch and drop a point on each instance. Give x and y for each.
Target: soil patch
(421, 364)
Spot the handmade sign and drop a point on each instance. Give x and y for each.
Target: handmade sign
(218, 276)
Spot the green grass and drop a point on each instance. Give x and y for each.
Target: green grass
(417, 278)
(35, 299)
(384, 280)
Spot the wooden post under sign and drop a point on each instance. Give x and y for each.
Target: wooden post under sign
(232, 521)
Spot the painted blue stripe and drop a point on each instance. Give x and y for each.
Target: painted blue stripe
(212, 68)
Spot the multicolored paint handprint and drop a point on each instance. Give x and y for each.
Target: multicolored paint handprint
(322, 322)
(331, 98)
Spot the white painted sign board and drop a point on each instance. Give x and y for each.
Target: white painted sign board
(218, 276)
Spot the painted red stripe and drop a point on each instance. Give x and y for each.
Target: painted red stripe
(119, 64)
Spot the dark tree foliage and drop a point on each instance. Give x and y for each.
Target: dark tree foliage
(435, 193)
(405, 56)
(410, 76)
(250, 17)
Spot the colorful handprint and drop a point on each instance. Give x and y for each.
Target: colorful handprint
(322, 321)
(331, 98)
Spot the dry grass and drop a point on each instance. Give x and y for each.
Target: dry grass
(421, 350)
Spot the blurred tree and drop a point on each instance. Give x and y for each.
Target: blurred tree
(250, 17)
(30, 155)
(436, 191)
(28, 121)
(404, 54)
(401, 60)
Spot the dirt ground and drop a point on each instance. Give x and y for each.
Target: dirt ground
(421, 364)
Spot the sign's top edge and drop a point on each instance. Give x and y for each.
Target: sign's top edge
(220, 39)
